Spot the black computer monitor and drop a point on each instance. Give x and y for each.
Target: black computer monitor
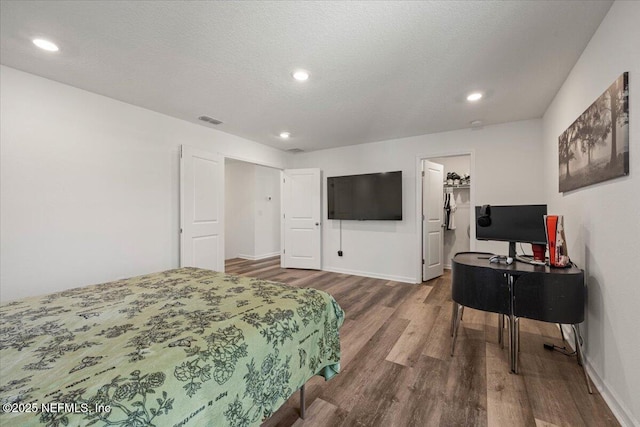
(515, 223)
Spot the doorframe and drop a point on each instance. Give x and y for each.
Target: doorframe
(253, 161)
(472, 201)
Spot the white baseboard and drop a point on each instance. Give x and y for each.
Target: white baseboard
(403, 279)
(258, 257)
(620, 411)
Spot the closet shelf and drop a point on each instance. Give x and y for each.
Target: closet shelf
(462, 186)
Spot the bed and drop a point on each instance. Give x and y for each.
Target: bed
(184, 347)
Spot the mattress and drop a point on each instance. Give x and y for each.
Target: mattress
(184, 347)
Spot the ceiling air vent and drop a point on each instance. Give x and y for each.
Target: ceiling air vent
(295, 150)
(209, 120)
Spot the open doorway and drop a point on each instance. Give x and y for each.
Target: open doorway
(252, 210)
(456, 205)
(445, 214)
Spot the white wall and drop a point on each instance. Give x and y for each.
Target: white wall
(506, 157)
(601, 221)
(252, 210)
(89, 185)
(458, 164)
(239, 197)
(267, 212)
(458, 240)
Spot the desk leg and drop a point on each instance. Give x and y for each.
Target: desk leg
(513, 328)
(578, 339)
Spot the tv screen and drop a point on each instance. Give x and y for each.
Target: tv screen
(373, 196)
(517, 223)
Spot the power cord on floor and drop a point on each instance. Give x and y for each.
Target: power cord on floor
(561, 350)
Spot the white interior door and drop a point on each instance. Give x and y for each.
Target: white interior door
(432, 221)
(201, 209)
(301, 213)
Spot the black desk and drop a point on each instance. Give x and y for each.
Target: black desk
(519, 290)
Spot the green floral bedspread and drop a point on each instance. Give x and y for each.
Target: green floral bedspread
(185, 347)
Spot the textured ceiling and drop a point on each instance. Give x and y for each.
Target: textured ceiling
(379, 70)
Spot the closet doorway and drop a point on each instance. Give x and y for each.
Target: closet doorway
(457, 223)
(456, 205)
(252, 210)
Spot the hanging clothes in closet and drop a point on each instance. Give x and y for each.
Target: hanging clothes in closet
(450, 209)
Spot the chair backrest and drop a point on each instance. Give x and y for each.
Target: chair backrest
(556, 298)
(482, 288)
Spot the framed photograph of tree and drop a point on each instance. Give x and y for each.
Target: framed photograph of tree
(595, 147)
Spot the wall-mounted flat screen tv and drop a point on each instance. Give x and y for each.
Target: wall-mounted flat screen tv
(372, 196)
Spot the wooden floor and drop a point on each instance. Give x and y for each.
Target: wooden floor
(397, 369)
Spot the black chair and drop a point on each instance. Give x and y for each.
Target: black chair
(553, 298)
(483, 289)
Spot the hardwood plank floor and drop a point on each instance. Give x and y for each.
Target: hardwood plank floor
(397, 369)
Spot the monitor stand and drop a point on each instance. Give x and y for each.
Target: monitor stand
(512, 250)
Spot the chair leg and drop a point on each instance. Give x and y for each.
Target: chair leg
(514, 341)
(516, 350)
(501, 330)
(302, 402)
(511, 344)
(561, 333)
(454, 315)
(458, 317)
(578, 338)
(518, 336)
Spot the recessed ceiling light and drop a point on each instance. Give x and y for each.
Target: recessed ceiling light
(475, 96)
(46, 45)
(476, 123)
(300, 75)
(285, 135)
